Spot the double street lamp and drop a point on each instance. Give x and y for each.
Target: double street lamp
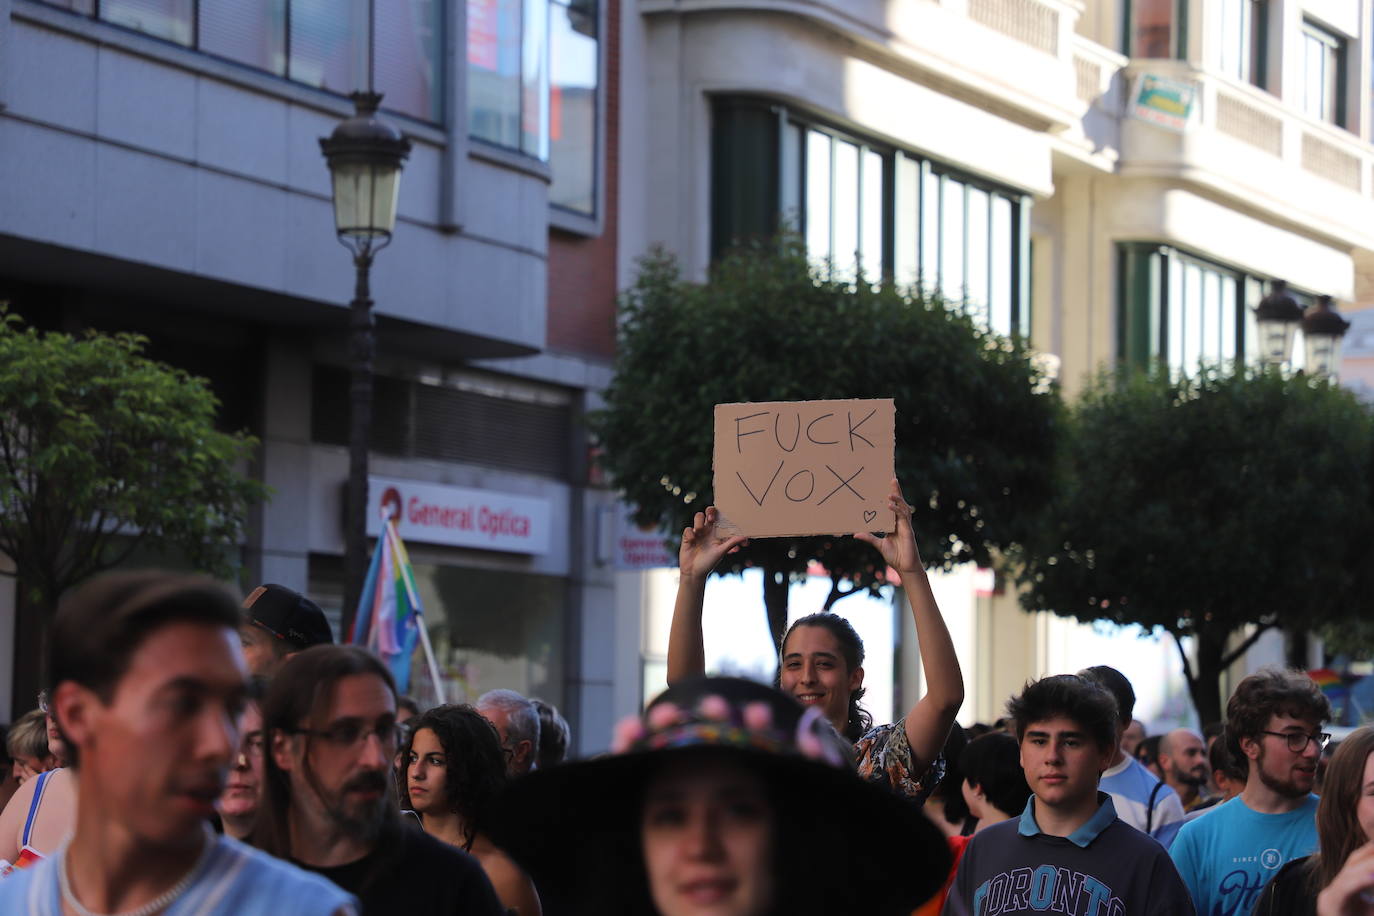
(1278, 317)
(364, 155)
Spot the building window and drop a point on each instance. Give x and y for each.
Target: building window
(1154, 28)
(1323, 74)
(867, 209)
(508, 76)
(1242, 40)
(574, 77)
(1185, 310)
(334, 45)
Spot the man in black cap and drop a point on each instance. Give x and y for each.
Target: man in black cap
(280, 622)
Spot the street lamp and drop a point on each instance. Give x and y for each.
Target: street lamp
(364, 155)
(1277, 317)
(1322, 330)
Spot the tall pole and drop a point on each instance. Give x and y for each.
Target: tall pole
(361, 346)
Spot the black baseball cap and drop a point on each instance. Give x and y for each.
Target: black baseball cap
(288, 615)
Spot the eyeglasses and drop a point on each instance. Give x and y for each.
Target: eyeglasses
(351, 734)
(1297, 741)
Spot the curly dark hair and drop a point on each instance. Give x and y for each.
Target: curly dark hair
(474, 763)
(858, 721)
(1266, 693)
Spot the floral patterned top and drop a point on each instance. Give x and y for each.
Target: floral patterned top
(885, 759)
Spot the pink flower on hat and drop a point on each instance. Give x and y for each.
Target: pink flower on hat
(714, 707)
(758, 717)
(627, 731)
(664, 715)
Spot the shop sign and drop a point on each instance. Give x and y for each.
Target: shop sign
(1162, 101)
(639, 546)
(785, 468)
(460, 517)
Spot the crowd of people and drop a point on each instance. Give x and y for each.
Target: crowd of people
(197, 754)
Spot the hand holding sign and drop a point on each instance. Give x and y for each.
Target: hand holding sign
(899, 549)
(793, 468)
(703, 544)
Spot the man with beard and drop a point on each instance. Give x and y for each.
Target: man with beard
(1184, 762)
(1273, 726)
(148, 681)
(329, 801)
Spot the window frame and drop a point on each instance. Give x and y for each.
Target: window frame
(93, 26)
(725, 228)
(1178, 40)
(572, 221)
(1254, 51)
(1144, 306)
(1337, 53)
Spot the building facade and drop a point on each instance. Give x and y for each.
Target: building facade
(161, 174)
(1121, 179)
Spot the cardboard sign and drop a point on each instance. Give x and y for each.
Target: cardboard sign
(789, 468)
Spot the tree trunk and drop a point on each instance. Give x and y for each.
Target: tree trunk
(1297, 648)
(776, 585)
(31, 620)
(1204, 675)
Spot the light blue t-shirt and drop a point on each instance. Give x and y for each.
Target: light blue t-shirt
(233, 879)
(1229, 854)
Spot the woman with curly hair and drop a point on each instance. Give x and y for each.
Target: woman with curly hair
(454, 768)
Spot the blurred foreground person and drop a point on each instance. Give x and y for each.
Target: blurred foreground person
(554, 735)
(329, 799)
(279, 622)
(148, 682)
(455, 768)
(27, 744)
(42, 810)
(238, 803)
(1345, 824)
(725, 798)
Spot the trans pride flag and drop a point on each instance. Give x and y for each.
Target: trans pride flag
(389, 615)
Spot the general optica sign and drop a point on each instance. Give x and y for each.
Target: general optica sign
(460, 517)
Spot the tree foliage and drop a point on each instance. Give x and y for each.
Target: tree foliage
(104, 452)
(1205, 505)
(975, 416)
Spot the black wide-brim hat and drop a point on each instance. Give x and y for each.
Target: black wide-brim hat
(858, 847)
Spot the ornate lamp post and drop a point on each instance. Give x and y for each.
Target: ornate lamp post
(1277, 317)
(1322, 330)
(364, 155)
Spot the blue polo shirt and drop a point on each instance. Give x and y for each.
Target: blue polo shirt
(1104, 868)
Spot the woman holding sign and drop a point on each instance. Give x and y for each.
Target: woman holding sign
(822, 657)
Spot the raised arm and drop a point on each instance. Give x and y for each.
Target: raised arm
(702, 547)
(928, 722)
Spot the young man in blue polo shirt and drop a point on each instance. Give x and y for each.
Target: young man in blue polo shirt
(1068, 852)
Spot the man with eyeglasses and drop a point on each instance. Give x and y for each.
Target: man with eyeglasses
(1273, 727)
(329, 799)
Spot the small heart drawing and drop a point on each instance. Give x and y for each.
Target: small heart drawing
(869, 515)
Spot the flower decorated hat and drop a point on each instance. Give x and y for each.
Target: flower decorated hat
(857, 847)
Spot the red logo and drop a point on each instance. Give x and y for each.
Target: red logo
(390, 505)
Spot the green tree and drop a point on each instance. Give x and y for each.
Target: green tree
(1206, 505)
(975, 416)
(104, 452)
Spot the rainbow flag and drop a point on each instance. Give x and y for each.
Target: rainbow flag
(389, 615)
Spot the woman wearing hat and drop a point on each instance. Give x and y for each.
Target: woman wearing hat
(726, 798)
(821, 663)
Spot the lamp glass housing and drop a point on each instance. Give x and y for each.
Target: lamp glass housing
(365, 197)
(1323, 354)
(1276, 340)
